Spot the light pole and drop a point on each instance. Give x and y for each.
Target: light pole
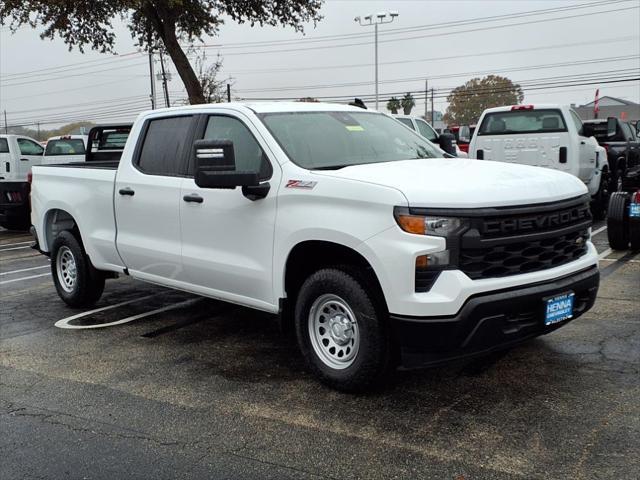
(375, 20)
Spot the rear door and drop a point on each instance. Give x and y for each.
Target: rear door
(227, 239)
(527, 136)
(30, 154)
(147, 200)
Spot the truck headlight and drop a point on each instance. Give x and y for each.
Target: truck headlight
(426, 225)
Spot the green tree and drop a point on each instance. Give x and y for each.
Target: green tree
(407, 103)
(82, 23)
(467, 102)
(393, 105)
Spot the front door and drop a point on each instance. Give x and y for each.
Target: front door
(147, 201)
(227, 239)
(30, 155)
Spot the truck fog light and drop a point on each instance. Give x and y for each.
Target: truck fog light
(428, 267)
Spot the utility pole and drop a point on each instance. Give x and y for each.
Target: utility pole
(378, 20)
(228, 92)
(426, 100)
(152, 96)
(38, 124)
(164, 81)
(432, 119)
(5, 123)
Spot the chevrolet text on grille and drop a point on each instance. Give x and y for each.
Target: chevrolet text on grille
(555, 219)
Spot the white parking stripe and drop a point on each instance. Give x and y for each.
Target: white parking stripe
(64, 323)
(13, 244)
(13, 248)
(605, 253)
(24, 270)
(601, 229)
(108, 307)
(24, 278)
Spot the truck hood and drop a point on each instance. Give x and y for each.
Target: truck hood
(465, 183)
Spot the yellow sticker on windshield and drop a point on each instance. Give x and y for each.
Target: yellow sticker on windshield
(355, 128)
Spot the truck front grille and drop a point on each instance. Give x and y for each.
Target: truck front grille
(524, 239)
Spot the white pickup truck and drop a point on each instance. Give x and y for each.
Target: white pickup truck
(545, 135)
(345, 222)
(17, 155)
(65, 149)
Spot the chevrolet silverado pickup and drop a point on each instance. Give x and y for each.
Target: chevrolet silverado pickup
(374, 248)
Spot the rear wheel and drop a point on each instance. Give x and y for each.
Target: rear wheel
(341, 332)
(618, 221)
(78, 283)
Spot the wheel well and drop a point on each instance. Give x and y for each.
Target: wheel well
(310, 256)
(57, 221)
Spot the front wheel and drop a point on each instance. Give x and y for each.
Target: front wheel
(78, 283)
(341, 331)
(618, 221)
(600, 201)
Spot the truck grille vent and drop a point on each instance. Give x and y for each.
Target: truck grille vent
(523, 257)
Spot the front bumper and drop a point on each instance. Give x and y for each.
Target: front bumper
(490, 321)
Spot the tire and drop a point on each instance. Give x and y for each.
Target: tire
(340, 297)
(634, 232)
(618, 221)
(78, 283)
(600, 201)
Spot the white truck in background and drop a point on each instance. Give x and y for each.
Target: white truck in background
(65, 149)
(545, 135)
(17, 155)
(354, 228)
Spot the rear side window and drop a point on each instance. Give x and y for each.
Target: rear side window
(163, 148)
(4, 145)
(426, 131)
(522, 122)
(407, 122)
(72, 146)
(29, 147)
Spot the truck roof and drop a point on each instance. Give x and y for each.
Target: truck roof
(264, 107)
(531, 106)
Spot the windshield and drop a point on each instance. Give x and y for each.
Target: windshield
(522, 121)
(328, 140)
(69, 146)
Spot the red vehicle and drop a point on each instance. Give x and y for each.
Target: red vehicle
(463, 134)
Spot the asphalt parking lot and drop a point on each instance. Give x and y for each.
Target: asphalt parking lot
(185, 387)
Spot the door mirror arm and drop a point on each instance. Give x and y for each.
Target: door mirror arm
(256, 192)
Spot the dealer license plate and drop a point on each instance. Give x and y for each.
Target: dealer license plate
(634, 210)
(559, 308)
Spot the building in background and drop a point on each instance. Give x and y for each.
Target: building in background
(610, 107)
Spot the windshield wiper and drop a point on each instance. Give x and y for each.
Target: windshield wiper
(332, 167)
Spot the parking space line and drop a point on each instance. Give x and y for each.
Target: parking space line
(64, 323)
(605, 253)
(102, 309)
(24, 270)
(601, 229)
(14, 248)
(14, 244)
(24, 278)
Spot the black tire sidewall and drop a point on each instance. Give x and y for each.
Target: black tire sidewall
(618, 221)
(372, 361)
(89, 282)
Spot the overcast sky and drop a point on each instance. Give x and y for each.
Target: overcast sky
(576, 50)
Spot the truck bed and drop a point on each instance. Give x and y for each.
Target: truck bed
(103, 165)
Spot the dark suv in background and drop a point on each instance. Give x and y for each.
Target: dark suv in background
(623, 148)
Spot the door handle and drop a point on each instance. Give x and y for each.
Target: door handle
(193, 198)
(24, 159)
(126, 191)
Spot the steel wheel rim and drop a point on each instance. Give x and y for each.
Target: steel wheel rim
(66, 269)
(333, 330)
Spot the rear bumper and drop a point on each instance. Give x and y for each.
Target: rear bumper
(490, 321)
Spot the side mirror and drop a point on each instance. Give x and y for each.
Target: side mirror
(612, 126)
(215, 166)
(445, 141)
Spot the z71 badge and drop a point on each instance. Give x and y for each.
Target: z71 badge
(304, 184)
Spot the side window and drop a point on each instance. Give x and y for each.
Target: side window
(249, 155)
(576, 119)
(163, 148)
(29, 147)
(426, 131)
(4, 145)
(407, 122)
